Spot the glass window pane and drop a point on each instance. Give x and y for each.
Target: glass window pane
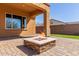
(17, 22)
(8, 21)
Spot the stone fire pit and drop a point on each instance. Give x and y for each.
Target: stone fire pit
(40, 44)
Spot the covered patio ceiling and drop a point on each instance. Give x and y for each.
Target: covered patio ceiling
(25, 7)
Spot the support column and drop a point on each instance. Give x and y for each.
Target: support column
(46, 23)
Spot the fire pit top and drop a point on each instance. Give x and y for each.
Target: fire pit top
(39, 41)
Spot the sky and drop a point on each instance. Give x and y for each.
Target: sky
(66, 12)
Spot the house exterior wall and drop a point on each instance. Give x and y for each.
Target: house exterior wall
(30, 30)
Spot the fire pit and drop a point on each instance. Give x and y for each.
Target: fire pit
(40, 44)
(39, 38)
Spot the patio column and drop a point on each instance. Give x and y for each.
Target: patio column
(46, 23)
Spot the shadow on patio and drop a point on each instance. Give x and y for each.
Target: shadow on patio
(8, 38)
(26, 50)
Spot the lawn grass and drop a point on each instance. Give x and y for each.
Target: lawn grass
(65, 36)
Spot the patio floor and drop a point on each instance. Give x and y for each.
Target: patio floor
(14, 47)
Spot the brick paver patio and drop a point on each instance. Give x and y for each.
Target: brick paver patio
(14, 47)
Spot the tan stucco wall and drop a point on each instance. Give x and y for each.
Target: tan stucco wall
(30, 23)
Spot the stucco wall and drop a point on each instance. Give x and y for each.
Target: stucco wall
(30, 23)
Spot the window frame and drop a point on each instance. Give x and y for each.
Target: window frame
(24, 23)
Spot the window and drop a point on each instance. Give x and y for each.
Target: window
(15, 22)
(8, 21)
